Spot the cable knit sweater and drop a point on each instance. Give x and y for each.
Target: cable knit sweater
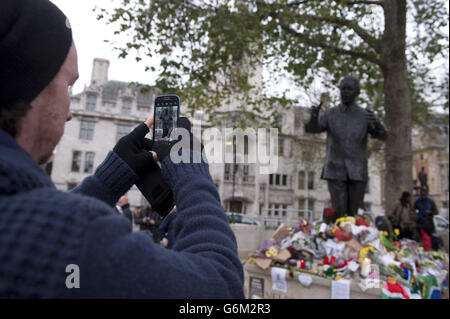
(42, 230)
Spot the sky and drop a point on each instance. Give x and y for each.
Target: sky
(89, 35)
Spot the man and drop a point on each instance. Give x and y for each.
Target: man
(347, 126)
(123, 208)
(148, 220)
(425, 209)
(402, 218)
(44, 231)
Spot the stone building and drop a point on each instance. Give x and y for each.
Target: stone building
(431, 151)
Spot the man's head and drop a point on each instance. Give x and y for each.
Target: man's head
(406, 197)
(39, 64)
(122, 201)
(350, 89)
(423, 193)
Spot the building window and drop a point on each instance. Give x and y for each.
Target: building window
(122, 130)
(277, 179)
(271, 179)
(280, 147)
(126, 107)
(284, 208)
(301, 180)
(284, 180)
(311, 176)
(245, 145)
(87, 130)
(89, 162)
(275, 212)
(301, 207)
(76, 161)
(91, 101)
(311, 204)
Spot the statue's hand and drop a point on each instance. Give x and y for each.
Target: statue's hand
(316, 109)
(371, 117)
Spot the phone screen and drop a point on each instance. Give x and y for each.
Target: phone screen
(167, 111)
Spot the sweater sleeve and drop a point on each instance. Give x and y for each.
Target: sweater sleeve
(203, 261)
(111, 179)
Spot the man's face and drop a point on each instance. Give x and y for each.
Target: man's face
(423, 195)
(349, 91)
(43, 126)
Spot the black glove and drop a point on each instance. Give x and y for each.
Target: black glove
(163, 148)
(134, 149)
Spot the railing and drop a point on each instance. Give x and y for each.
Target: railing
(276, 222)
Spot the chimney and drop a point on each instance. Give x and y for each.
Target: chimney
(99, 71)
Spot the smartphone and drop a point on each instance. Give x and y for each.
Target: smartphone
(166, 114)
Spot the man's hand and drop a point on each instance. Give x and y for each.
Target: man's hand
(161, 149)
(134, 149)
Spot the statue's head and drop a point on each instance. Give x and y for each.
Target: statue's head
(350, 89)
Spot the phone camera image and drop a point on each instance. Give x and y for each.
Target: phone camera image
(165, 121)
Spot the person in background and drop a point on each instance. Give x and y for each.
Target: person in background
(148, 220)
(123, 208)
(402, 218)
(426, 208)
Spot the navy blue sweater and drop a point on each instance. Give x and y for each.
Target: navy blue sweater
(42, 230)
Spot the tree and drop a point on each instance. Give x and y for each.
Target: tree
(211, 48)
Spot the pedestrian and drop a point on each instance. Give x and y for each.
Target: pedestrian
(426, 208)
(123, 209)
(46, 232)
(402, 218)
(149, 220)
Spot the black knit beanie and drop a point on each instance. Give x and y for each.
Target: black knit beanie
(35, 38)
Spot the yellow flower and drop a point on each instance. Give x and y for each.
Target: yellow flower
(337, 277)
(346, 219)
(397, 232)
(385, 233)
(363, 252)
(271, 252)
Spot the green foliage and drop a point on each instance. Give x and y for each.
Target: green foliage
(212, 49)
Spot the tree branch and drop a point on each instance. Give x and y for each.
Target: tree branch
(379, 3)
(353, 25)
(361, 32)
(336, 49)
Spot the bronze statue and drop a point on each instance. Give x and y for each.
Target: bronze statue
(347, 126)
(423, 179)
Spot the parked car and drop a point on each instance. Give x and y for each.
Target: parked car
(238, 218)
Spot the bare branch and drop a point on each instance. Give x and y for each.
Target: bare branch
(353, 25)
(379, 3)
(361, 32)
(320, 44)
